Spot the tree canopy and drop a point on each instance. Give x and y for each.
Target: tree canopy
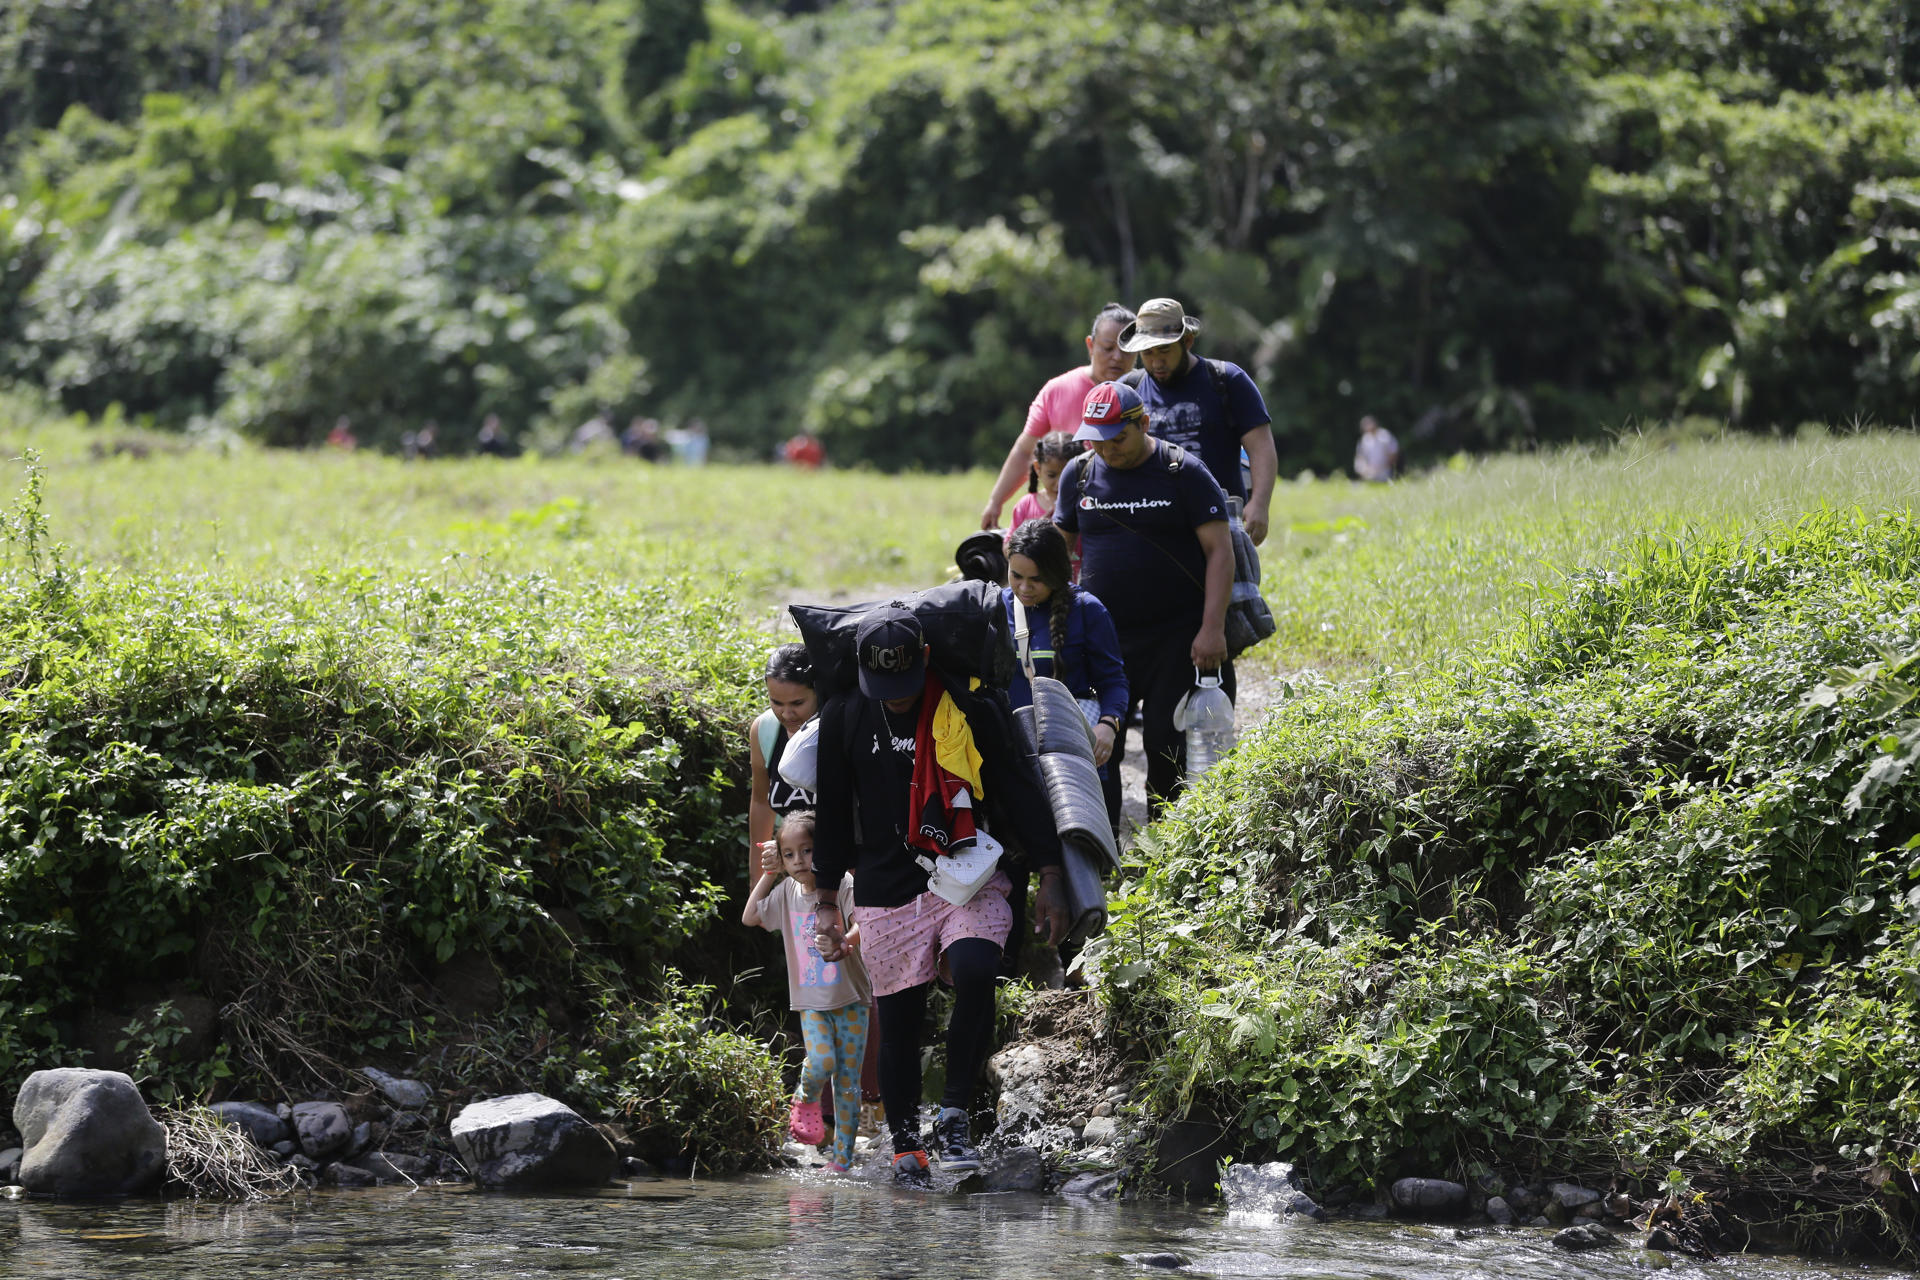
(1492, 223)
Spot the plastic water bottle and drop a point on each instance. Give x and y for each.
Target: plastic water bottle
(1209, 723)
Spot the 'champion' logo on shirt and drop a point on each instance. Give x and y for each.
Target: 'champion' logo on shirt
(1134, 507)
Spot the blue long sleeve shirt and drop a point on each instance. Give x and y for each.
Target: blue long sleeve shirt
(1087, 662)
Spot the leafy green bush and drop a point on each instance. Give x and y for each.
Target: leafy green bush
(1609, 896)
(687, 1087)
(308, 796)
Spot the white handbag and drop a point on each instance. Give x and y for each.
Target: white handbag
(800, 762)
(957, 876)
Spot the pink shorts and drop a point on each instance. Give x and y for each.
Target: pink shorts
(901, 945)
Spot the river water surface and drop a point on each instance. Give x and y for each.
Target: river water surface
(780, 1225)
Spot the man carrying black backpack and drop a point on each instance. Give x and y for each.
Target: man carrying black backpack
(906, 762)
(1210, 408)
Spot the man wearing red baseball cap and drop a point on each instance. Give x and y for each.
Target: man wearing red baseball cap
(1154, 547)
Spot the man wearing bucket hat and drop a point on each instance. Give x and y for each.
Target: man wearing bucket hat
(1207, 407)
(870, 766)
(1155, 549)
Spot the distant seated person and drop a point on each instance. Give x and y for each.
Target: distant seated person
(592, 433)
(422, 444)
(690, 443)
(642, 440)
(804, 450)
(492, 440)
(342, 437)
(1376, 459)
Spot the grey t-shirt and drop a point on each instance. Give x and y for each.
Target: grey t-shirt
(812, 983)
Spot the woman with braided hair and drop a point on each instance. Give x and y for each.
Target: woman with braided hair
(1069, 635)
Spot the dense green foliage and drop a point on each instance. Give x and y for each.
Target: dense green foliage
(1636, 891)
(1493, 222)
(306, 798)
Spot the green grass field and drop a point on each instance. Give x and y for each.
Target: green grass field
(1360, 576)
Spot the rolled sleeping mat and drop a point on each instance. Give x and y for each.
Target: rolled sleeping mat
(1058, 723)
(1023, 717)
(1086, 894)
(1079, 805)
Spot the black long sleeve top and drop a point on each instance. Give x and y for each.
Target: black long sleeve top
(861, 823)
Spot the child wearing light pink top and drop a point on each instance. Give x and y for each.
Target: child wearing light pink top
(1050, 458)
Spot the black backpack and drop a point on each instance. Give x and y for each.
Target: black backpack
(964, 624)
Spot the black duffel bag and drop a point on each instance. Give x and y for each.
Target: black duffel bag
(963, 622)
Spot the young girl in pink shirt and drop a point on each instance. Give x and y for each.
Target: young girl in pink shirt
(831, 997)
(1050, 457)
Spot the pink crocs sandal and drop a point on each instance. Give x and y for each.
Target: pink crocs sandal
(805, 1124)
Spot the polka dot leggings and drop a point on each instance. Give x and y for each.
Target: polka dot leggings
(836, 1045)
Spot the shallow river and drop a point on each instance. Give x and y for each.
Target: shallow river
(775, 1225)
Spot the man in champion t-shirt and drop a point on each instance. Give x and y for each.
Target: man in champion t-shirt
(1152, 527)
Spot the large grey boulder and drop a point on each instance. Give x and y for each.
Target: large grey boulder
(257, 1120)
(322, 1129)
(527, 1140)
(1434, 1196)
(87, 1133)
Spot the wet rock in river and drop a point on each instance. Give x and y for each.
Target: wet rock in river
(406, 1095)
(1571, 1195)
(1272, 1188)
(394, 1166)
(1016, 1169)
(1187, 1157)
(528, 1140)
(1092, 1186)
(342, 1174)
(1429, 1196)
(322, 1129)
(1165, 1261)
(10, 1167)
(255, 1119)
(1587, 1235)
(87, 1133)
(1500, 1211)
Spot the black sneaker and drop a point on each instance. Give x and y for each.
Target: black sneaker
(910, 1170)
(951, 1145)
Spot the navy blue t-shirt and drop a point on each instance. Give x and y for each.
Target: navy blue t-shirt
(1138, 550)
(1188, 411)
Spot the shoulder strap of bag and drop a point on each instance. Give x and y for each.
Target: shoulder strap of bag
(1218, 376)
(1021, 647)
(766, 728)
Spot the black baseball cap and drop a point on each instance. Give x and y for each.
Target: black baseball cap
(892, 650)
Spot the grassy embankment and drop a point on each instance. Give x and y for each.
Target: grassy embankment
(1622, 882)
(333, 721)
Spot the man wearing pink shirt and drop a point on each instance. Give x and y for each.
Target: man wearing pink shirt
(1057, 407)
